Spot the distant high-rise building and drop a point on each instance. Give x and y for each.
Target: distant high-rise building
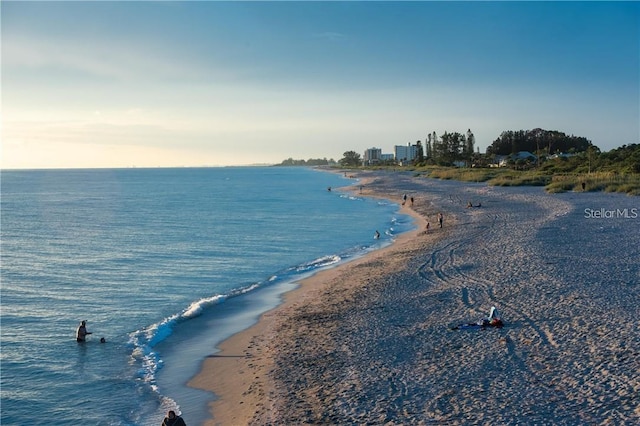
(405, 153)
(372, 156)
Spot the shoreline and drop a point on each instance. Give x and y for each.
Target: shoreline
(372, 342)
(237, 373)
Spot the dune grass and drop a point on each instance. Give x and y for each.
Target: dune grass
(552, 180)
(627, 183)
(594, 182)
(461, 174)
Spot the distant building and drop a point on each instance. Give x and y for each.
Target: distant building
(387, 157)
(372, 156)
(405, 154)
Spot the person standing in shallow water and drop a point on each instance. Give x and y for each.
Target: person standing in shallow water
(173, 420)
(81, 332)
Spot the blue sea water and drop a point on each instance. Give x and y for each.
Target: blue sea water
(163, 263)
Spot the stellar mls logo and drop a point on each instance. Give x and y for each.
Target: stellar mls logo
(611, 214)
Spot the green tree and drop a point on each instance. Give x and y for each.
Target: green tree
(625, 159)
(536, 140)
(470, 145)
(449, 148)
(350, 159)
(419, 152)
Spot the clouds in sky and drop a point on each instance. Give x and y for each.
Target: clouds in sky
(117, 84)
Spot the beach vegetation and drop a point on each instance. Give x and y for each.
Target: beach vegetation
(350, 159)
(522, 179)
(557, 161)
(310, 162)
(462, 174)
(537, 140)
(625, 159)
(628, 183)
(445, 150)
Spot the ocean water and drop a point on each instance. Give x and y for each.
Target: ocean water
(162, 263)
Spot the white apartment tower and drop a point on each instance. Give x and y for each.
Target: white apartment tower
(405, 153)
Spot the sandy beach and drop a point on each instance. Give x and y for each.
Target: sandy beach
(374, 341)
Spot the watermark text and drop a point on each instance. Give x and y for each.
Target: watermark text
(603, 213)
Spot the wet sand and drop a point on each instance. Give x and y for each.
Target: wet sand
(372, 341)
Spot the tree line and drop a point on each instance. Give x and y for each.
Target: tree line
(452, 147)
(628, 155)
(625, 159)
(537, 141)
(448, 148)
(310, 162)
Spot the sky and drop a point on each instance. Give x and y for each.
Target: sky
(207, 83)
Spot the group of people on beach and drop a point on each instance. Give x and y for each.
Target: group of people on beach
(440, 216)
(440, 222)
(404, 200)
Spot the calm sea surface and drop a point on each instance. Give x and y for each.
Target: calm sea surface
(162, 263)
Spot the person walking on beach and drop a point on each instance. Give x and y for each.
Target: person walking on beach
(404, 199)
(440, 219)
(412, 201)
(81, 332)
(173, 420)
